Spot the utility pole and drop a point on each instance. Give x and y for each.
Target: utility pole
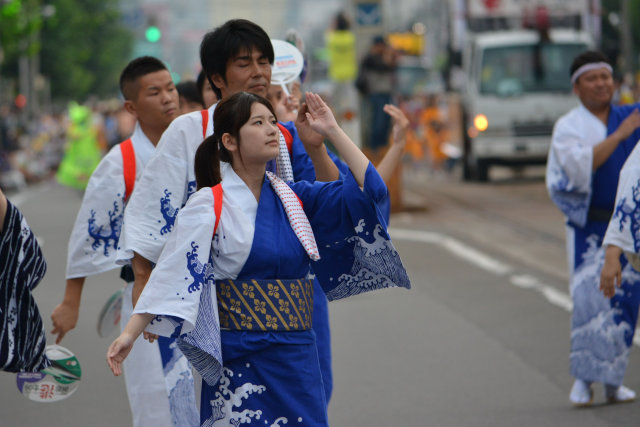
(628, 56)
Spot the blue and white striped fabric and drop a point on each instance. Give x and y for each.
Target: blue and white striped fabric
(22, 266)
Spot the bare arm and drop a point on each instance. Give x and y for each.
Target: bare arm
(141, 272)
(603, 150)
(65, 315)
(3, 209)
(394, 153)
(120, 348)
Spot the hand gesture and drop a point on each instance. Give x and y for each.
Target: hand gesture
(629, 124)
(292, 103)
(64, 317)
(611, 274)
(319, 115)
(400, 124)
(307, 135)
(118, 351)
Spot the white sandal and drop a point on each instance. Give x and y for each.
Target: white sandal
(581, 393)
(620, 394)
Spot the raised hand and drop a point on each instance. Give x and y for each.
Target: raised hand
(319, 115)
(309, 137)
(400, 124)
(629, 124)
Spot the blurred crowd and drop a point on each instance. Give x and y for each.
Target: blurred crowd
(31, 150)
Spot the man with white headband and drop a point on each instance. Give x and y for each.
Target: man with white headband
(588, 148)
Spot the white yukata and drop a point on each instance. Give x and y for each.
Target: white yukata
(624, 228)
(158, 377)
(601, 329)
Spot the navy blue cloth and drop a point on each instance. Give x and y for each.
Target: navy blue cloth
(605, 178)
(22, 266)
(281, 370)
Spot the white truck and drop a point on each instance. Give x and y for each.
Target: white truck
(515, 59)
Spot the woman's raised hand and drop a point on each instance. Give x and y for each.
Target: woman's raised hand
(319, 115)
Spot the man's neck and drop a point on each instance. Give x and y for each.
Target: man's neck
(600, 111)
(152, 133)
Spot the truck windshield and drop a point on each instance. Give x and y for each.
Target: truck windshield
(514, 70)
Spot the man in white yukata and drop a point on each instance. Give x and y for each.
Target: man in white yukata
(589, 146)
(237, 56)
(158, 377)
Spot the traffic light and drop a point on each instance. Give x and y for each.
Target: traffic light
(153, 34)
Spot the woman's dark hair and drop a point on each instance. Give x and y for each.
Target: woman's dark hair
(587, 57)
(229, 116)
(226, 42)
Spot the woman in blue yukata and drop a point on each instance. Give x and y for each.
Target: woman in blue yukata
(233, 283)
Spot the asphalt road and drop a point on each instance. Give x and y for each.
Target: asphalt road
(482, 339)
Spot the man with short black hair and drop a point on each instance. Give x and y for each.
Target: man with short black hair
(158, 377)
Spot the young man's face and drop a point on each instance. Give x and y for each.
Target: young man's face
(156, 104)
(248, 71)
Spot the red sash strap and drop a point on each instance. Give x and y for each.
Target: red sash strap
(287, 136)
(205, 122)
(128, 167)
(217, 205)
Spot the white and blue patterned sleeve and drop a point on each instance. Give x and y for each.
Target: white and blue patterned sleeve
(96, 231)
(569, 171)
(356, 252)
(624, 227)
(181, 289)
(159, 194)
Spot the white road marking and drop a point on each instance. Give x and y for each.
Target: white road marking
(492, 265)
(456, 247)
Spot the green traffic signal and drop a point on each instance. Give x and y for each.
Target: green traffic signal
(153, 34)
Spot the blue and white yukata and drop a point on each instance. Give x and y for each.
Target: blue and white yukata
(22, 266)
(158, 377)
(240, 303)
(601, 329)
(624, 228)
(168, 183)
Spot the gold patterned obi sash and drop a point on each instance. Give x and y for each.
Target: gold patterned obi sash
(265, 305)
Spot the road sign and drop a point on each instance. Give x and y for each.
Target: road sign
(369, 14)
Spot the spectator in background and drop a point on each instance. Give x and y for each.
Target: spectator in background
(209, 97)
(190, 97)
(377, 69)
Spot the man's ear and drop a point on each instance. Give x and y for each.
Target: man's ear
(218, 80)
(229, 142)
(130, 106)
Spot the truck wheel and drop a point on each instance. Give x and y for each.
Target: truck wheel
(467, 170)
(482, 171)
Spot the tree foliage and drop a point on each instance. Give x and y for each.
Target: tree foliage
(83, 46)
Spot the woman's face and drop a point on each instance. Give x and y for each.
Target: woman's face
(259, 136)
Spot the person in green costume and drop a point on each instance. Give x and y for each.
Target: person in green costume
(83, 153)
